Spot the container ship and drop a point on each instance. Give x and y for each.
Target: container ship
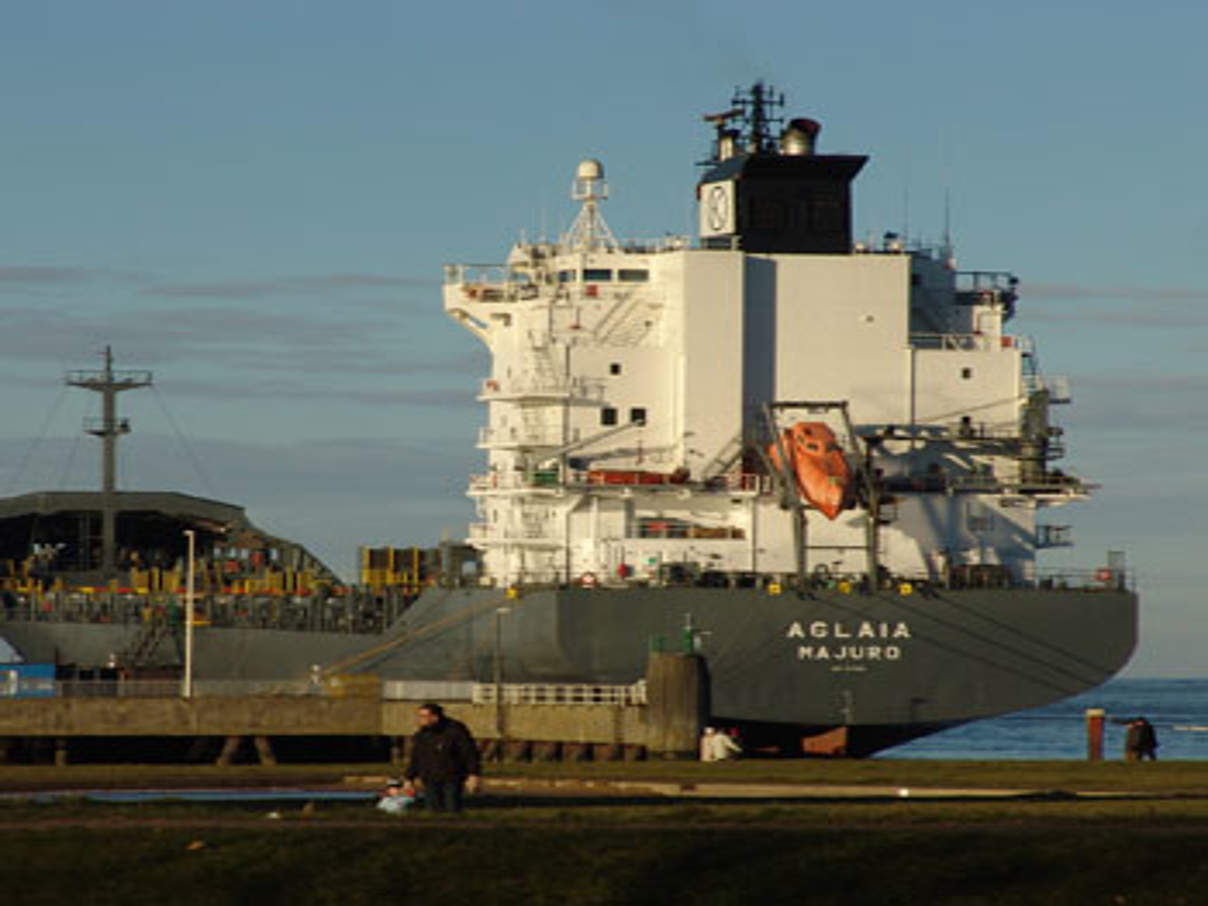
(820, 463)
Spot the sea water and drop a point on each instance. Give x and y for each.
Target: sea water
(1177, 708)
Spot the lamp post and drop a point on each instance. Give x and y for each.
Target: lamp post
(186, 688)
(499, 723)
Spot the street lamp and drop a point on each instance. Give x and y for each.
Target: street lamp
(186, 688)
(499, 612)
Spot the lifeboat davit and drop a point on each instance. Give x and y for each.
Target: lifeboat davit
(822, 473)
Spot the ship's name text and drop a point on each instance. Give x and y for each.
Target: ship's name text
(867, 629)
(835, 634)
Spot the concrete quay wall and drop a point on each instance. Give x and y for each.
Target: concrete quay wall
(217, 716)
(276, 716)
(669, 722)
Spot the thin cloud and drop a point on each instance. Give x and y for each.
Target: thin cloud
(256, 341)
(329, 495)
(258, 289)
(39, 274)
(281, 391)
(1127, 293)
(17, 276)
(1134, 306)
(1155, 405)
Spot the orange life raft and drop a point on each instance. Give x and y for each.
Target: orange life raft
(822, 474)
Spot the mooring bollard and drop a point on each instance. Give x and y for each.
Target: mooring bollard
(1094, 734)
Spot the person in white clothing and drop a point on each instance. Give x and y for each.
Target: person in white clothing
(724, 748)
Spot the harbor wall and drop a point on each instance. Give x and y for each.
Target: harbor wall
(668, 722)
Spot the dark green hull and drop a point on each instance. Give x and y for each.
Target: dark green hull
(886, 666)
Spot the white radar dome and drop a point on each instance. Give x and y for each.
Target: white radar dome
(589, 169)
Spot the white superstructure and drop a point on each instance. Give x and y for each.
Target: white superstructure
(626, 405)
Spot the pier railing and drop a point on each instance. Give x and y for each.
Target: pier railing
(559, 694)
(390, 690)
(120, 688)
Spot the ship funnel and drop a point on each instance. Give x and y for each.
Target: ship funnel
(799, 137)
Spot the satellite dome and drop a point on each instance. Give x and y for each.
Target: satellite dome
(589, 169)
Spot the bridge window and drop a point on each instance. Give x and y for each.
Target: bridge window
(597, 275)
(608, 416)
(614, 368)
(638, 415)
(633, 275)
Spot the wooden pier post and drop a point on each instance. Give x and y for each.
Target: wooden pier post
(229, 747)
(264, 749)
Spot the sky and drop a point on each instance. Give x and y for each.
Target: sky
(254, 200)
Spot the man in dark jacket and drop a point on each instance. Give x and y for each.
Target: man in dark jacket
(444, 757)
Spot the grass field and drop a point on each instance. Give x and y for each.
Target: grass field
(1189, 777)
(539, 853)
(511, 848)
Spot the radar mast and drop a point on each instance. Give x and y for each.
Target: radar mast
(108, 428)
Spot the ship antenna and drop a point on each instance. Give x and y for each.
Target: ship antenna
(948, 252)
(757, 106)
(589, 231)
(108, 428)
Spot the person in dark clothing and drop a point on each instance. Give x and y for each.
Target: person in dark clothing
(1147, 740)
(1140, 741)
(444, 757)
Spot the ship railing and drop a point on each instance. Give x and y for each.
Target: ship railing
(986, 281)
(967, 342)
(744, 481)
(1058, 386)
(492, 282)
(427, 691)
(513, 481)
(360, 611)
(983, 430)
(643, 246)
(520, 436)
(123, 688)
(1053, 483)
(1101, 578)
(577, 388)
(559, 694)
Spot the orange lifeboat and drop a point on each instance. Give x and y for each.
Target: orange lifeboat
(823, 475)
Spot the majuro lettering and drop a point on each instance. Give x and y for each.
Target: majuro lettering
(849, 653)
(839, 635)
